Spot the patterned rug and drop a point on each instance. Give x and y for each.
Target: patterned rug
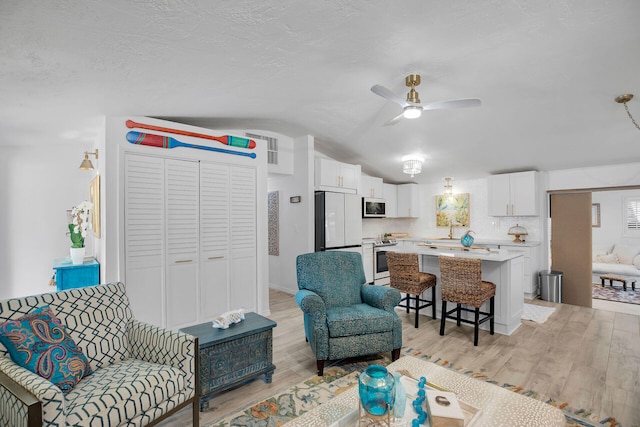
(295, 401)
(616, 293)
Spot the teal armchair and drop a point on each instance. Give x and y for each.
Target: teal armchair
(343, 316)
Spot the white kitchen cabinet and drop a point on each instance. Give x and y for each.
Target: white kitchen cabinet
(331, 175)
(390, 196)
(371, 186)
(367, 261)
(190, 239)
(408, 201)
(513, 194)
(530, 279)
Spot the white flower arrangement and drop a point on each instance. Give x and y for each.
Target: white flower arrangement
(79, 223)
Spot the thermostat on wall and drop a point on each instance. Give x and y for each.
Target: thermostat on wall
(294, 199)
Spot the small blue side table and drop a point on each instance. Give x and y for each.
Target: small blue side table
(69, 276)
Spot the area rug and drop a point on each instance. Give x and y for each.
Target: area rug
(537, 313)
(295, 401)
(616, 294)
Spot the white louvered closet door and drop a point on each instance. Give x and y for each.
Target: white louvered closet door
(144, 237)
(182, 209)
(243, 275)
(214, 240)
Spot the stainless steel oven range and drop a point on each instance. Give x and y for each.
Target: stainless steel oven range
(380, 267)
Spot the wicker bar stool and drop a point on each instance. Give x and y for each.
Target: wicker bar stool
(461, 281)
(405, 276)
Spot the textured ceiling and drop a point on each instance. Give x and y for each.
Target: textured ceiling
(547, 73)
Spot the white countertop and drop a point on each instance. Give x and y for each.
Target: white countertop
(476, 241)
(497, 255)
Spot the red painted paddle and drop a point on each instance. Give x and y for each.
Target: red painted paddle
(233, 141)
(160, 141)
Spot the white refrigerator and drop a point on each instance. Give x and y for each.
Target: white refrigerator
(338, 221)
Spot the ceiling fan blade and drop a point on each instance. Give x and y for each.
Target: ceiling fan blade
(395, 120)
(386, 93)
(452, 103)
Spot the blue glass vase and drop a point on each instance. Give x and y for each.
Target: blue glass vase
(376, 387)
(466, 240)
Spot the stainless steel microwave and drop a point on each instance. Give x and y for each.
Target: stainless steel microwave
(373, 208)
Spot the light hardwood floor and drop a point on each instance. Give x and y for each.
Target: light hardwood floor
(589, 358)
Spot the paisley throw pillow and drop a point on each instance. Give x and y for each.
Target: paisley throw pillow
(40, 343)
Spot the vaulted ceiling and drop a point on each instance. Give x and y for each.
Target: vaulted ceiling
(547, 73)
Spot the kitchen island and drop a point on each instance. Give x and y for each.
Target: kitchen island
(500, 266)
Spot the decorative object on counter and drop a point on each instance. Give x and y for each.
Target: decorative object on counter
(234, 141)
(377, 392)
(152, 140)
(230, 317)
(86, 164)
(412, 165)
(517, 231)
(452, 210)
(78, 224)
(448, 188)
(623, 99)
(467, 239)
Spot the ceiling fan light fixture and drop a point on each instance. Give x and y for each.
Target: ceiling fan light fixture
(412, 112)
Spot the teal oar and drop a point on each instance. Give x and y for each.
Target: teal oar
(152, 140)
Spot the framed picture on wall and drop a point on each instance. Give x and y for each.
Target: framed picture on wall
(595, 214)
(452, 210)
(94, 197)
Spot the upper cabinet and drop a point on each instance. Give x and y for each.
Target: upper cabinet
(331, 175)
(390, 196)
(408, 201)
(513, 194)
(370, 186)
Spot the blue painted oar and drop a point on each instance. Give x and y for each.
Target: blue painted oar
(160, 141)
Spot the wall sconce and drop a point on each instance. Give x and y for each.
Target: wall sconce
(86, 164)
(448, 188)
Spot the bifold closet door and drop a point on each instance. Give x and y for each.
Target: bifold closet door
(571, 245)
(182, 206)
(144, 246)
(214, 240)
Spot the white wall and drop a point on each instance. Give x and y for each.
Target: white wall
(612, 217)
(296, 219)
(37, 186)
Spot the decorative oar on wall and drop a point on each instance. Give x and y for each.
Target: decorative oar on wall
(160, 141)
(233, 141)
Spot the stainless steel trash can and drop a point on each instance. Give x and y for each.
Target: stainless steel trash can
(550, 285)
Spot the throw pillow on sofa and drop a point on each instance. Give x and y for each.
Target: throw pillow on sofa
(625, 253)
(609, 259)
(40, 343)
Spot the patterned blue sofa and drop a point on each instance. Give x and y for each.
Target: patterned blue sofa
(141, 373)
(343, 316)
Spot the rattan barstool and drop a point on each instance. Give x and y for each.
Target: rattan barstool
(461, 283)
(405, 276)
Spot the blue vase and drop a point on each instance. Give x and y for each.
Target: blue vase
(376, 387)
(466, 240)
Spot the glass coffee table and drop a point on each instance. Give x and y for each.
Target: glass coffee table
(497, 406)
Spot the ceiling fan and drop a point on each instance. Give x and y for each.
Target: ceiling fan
(411, 108)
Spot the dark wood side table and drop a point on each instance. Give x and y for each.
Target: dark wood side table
(229, 357)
